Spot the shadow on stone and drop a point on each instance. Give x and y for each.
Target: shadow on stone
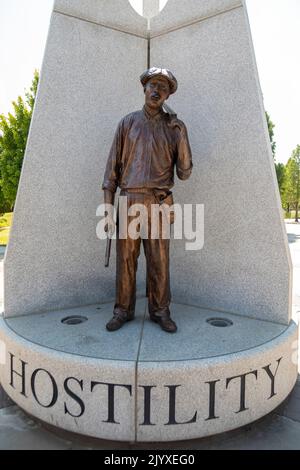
(5, 401)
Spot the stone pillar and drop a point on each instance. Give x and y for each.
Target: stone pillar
(244, 266)
(95, 54)
(96, 51)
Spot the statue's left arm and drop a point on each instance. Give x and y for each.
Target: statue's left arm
(111, 176)
(184, 163)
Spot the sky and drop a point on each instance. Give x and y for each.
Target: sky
(275, 26)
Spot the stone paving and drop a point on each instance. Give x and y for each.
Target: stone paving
(280, 430)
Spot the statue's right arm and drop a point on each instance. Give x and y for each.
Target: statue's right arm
(111, 176)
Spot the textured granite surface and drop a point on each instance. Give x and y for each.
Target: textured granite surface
(117, 14)
(244, 266)
(79, 104)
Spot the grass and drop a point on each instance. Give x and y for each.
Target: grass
(5, 223)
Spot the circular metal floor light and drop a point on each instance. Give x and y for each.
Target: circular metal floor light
(219, 322)
(74, 320)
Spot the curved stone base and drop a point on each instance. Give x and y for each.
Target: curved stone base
(140, 383)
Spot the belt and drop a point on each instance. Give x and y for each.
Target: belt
(143, 190)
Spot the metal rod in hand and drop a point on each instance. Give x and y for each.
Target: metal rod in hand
(108, 250)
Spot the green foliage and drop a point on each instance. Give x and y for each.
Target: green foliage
(14, 131)
(288, 176)
(291, 192)
(280, 172)
(279, 167)
(271, 126)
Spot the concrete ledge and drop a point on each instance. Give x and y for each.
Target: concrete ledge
(141, 384)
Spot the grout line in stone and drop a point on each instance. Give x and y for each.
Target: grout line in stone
(149, 52)
(114, 28)
(136, 374)
(149, 36)
(193, 22)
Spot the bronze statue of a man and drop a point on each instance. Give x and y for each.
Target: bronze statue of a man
(148, 145)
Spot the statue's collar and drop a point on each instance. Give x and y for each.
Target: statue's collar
(156, 116)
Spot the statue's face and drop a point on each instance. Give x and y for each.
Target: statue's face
(157, 91)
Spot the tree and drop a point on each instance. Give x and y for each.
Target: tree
(279, 167)
(292, 181)
(271, 126)
(4, 206)
(280, 172)
(14, 131)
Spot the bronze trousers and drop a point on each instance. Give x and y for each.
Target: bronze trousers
(157, 261)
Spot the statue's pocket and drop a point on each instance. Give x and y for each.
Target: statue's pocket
(168, 202)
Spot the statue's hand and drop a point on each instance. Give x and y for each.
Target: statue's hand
(110, 225)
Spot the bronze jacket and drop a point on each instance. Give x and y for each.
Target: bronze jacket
(145, 152)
